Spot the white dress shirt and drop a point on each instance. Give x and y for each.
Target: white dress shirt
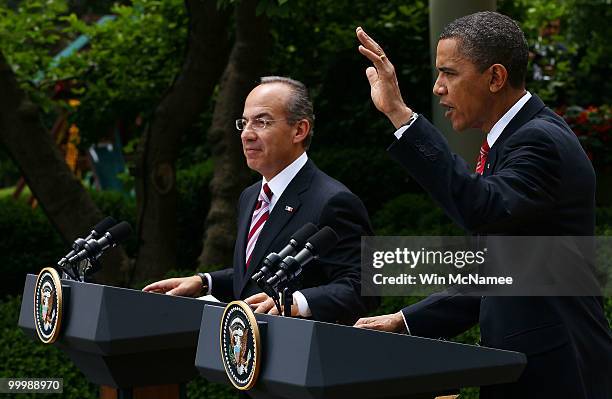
(492, 137)
(277, 185)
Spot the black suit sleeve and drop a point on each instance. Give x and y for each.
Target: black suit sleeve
(223, 284)
(339, 292)
(525, 183)
(526, 180)
(442, 315)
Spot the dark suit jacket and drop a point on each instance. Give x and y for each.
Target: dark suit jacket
(331, 284)
(537, 181)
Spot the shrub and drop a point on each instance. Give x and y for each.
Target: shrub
(193, 205)
(413, 214)
(120, 207)
(23, 357)
(28, 244)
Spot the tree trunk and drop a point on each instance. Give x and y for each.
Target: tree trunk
(246, 64)
(180, 108)
(60, 194)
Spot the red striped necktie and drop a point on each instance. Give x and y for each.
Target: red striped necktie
(260, 215)
(482, 157)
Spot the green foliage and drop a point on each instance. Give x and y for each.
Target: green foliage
(21, 356)
(28, 243)
(29, 32)
(129, 64)
(413, 214)
(603, 217)
(193, 204)
(593, 126)
(120, 207)
(385, 179)
(316, 44)
(199, 388)
(8, 171)
(578, 57)
(192, 208)
(125, 69)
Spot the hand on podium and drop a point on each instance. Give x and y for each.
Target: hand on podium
(184, 286)
(262, 303)
(387, 322)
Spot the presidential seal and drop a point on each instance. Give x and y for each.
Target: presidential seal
(240, 345)
(48, 305)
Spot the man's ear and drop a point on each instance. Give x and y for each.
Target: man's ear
(302, 130)
(498, 77)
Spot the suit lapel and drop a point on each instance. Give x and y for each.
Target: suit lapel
(278, 219)
(529, 110)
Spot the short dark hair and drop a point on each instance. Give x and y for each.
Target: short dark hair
(487, 38)
(300, 104)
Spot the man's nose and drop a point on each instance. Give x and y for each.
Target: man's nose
(248, 133)
(438, 88)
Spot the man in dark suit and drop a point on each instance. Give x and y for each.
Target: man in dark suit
(276, 130)
(532, 178)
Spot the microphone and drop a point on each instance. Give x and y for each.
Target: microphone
(297, 241)
(96, 232)
(94, 248)
(290, 267)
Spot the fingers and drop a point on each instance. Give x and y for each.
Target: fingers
(185, 286)
(373, 52)
(178, 291)
(294, 310)
(372, 75)
(160, 286)
(380, 323)
(264, 306)
(257, 298)
(372, 56)
(361, 323)
(368, 45)
(154, 287)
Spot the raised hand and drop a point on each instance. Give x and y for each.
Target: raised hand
(384, 88)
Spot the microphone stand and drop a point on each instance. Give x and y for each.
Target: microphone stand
(287, 301)
(80, 270)
(287, 295)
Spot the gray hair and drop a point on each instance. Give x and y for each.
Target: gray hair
(300, 104)
(486, 38)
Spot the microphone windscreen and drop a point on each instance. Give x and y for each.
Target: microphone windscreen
(324, 240)
(302, 235)
(105, 224)
(120, 231)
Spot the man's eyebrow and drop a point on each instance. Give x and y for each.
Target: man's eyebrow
(260, 115)
(445, 69)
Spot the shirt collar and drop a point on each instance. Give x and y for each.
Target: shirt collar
(501, 124)
(279, 183)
